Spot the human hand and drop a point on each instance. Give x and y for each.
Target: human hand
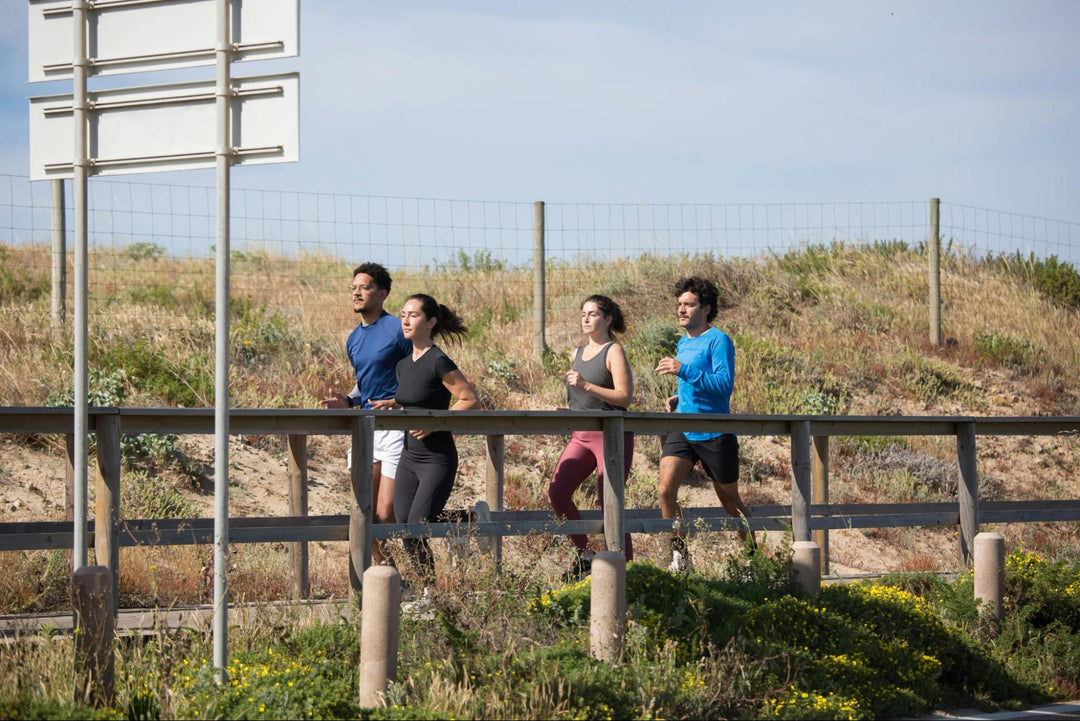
(671, 403)
(418, 434)
(383, 404)
(336, 400)
(573, 379)
(668, 367)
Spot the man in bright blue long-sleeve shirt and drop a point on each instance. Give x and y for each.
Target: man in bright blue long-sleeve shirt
(704, 365)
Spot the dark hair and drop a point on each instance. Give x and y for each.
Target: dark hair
(447, 322)
(609, 308)
(705, 290)
(379, 274)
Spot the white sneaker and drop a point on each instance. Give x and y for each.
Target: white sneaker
(678, 563)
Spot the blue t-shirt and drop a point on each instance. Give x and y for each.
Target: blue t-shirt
(706, 376)
(374, 351)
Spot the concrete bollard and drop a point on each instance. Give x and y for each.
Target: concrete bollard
(380, 614)
(990, 571)
(92, 604)
(806, 562)
(607, 628)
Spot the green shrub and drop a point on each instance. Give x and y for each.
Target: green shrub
(266, 683)
(1007, 351)
(144, 250)
(931, 380)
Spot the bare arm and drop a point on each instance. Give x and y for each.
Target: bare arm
(461, 389)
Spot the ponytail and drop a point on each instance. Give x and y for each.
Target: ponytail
(447, 322)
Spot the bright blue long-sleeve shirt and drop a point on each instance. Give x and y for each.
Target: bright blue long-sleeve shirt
(706, 376)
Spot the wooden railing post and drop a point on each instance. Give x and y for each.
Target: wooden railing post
(363, 433)
(496, 479)
(107, 508)
(614, 485)
(800, 481)
(967, 488)
(298, 506)
(819, 464)
(69, 477)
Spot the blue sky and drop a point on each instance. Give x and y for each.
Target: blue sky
(691, 102)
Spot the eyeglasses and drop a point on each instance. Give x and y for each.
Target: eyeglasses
(363, 287)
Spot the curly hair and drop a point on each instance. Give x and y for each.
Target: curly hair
(378, 273)
(705, 290)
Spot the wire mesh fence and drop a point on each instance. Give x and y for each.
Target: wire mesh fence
(137, 220)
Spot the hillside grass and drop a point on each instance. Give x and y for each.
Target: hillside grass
(831, 329)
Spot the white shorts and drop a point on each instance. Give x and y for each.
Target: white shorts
(387, 451)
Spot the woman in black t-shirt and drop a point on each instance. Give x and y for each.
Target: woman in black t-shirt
(428, 378)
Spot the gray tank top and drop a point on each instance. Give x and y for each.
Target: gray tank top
(594, 371)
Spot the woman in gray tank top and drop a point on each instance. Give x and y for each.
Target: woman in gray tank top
(599, 379)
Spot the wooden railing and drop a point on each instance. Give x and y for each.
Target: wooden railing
(810, 515)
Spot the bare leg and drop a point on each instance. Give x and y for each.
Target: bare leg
(383, 491)
(673, 471)
(728, 493)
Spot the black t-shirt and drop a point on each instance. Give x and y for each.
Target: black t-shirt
(420, 382)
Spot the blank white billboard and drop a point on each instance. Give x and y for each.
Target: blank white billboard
(126, 36)
(168, 127)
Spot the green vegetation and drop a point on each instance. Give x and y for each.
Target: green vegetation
(829, 329)
(744, 644)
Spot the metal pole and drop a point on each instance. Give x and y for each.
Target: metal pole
(935, 271)
(539, 345)
(221, 345)
(59, 256)
(80, 167)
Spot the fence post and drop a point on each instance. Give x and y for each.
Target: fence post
(496, 479)
(800, 480)
(968, 487)
(607, 611)
(69, 477)
(614, 483)
(363, 431)
(95, 682)
(379, 621)
(59, 256)
(539, 308)
(107, 507)
(806, 562)
(934, 254)
(298, 506)
(990, 573)
(819, 464)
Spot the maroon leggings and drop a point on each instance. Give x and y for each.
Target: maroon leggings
(583, 455)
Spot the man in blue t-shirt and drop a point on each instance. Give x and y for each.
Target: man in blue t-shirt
(704, 364)
(375, 347)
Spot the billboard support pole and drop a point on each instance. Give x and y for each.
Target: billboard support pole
(81, 171)
(223, 152)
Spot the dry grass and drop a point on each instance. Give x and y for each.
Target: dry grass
(835, 330)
